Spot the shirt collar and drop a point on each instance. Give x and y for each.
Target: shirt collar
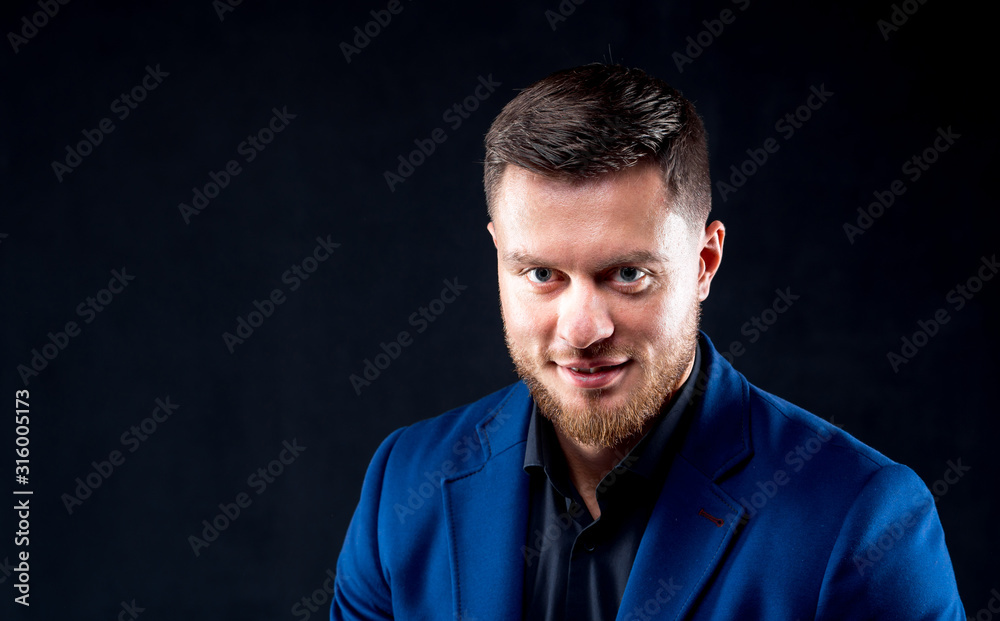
(542, 451)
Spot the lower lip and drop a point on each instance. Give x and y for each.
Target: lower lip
(600, 379)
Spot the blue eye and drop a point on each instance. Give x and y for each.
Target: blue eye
(630, 274)
(541, 275)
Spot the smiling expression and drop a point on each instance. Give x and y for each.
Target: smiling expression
(600, 289)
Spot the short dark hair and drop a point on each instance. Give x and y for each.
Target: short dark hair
(595, 119)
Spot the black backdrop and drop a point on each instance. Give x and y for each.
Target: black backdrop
(73, 222)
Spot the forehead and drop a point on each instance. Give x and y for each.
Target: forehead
(613, 214)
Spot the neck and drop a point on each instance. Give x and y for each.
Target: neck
(588, 464)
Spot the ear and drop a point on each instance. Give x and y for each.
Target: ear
(710, 256)
(493, 233)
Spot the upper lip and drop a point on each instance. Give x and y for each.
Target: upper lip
(592, 363)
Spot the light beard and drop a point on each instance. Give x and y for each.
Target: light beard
(609, 427)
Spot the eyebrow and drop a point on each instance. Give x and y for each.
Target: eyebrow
(521, 257)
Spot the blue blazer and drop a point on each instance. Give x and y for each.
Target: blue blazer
(767, 512)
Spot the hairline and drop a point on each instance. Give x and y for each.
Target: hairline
(672, 198)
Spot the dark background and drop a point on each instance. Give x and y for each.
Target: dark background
(323, 176)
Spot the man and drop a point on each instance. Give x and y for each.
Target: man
(632, 473)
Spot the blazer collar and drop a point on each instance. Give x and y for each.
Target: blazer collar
(486, 505)
(719, 437)
(717, 440)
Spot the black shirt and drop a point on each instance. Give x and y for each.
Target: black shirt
(576, 567)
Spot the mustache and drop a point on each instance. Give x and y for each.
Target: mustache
(599, 350)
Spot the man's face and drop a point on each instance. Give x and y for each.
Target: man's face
(600, 289)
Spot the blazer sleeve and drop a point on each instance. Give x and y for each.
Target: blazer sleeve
(361, 588)
(890, 560)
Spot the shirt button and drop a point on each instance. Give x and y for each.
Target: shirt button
(588, 546)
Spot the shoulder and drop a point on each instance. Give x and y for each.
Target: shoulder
(458, 436)
(779, 425)
(823, 465)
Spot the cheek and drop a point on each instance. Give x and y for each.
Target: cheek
(648, 321)
(516, 306)
(527, 318)
(659, 319)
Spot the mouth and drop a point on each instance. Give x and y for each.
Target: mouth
(593, 370)
(595, 374)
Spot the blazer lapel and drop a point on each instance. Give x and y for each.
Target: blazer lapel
(486, 509)
(694, 521)
(690, 528)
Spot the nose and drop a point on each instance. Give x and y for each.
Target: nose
(584, 316)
